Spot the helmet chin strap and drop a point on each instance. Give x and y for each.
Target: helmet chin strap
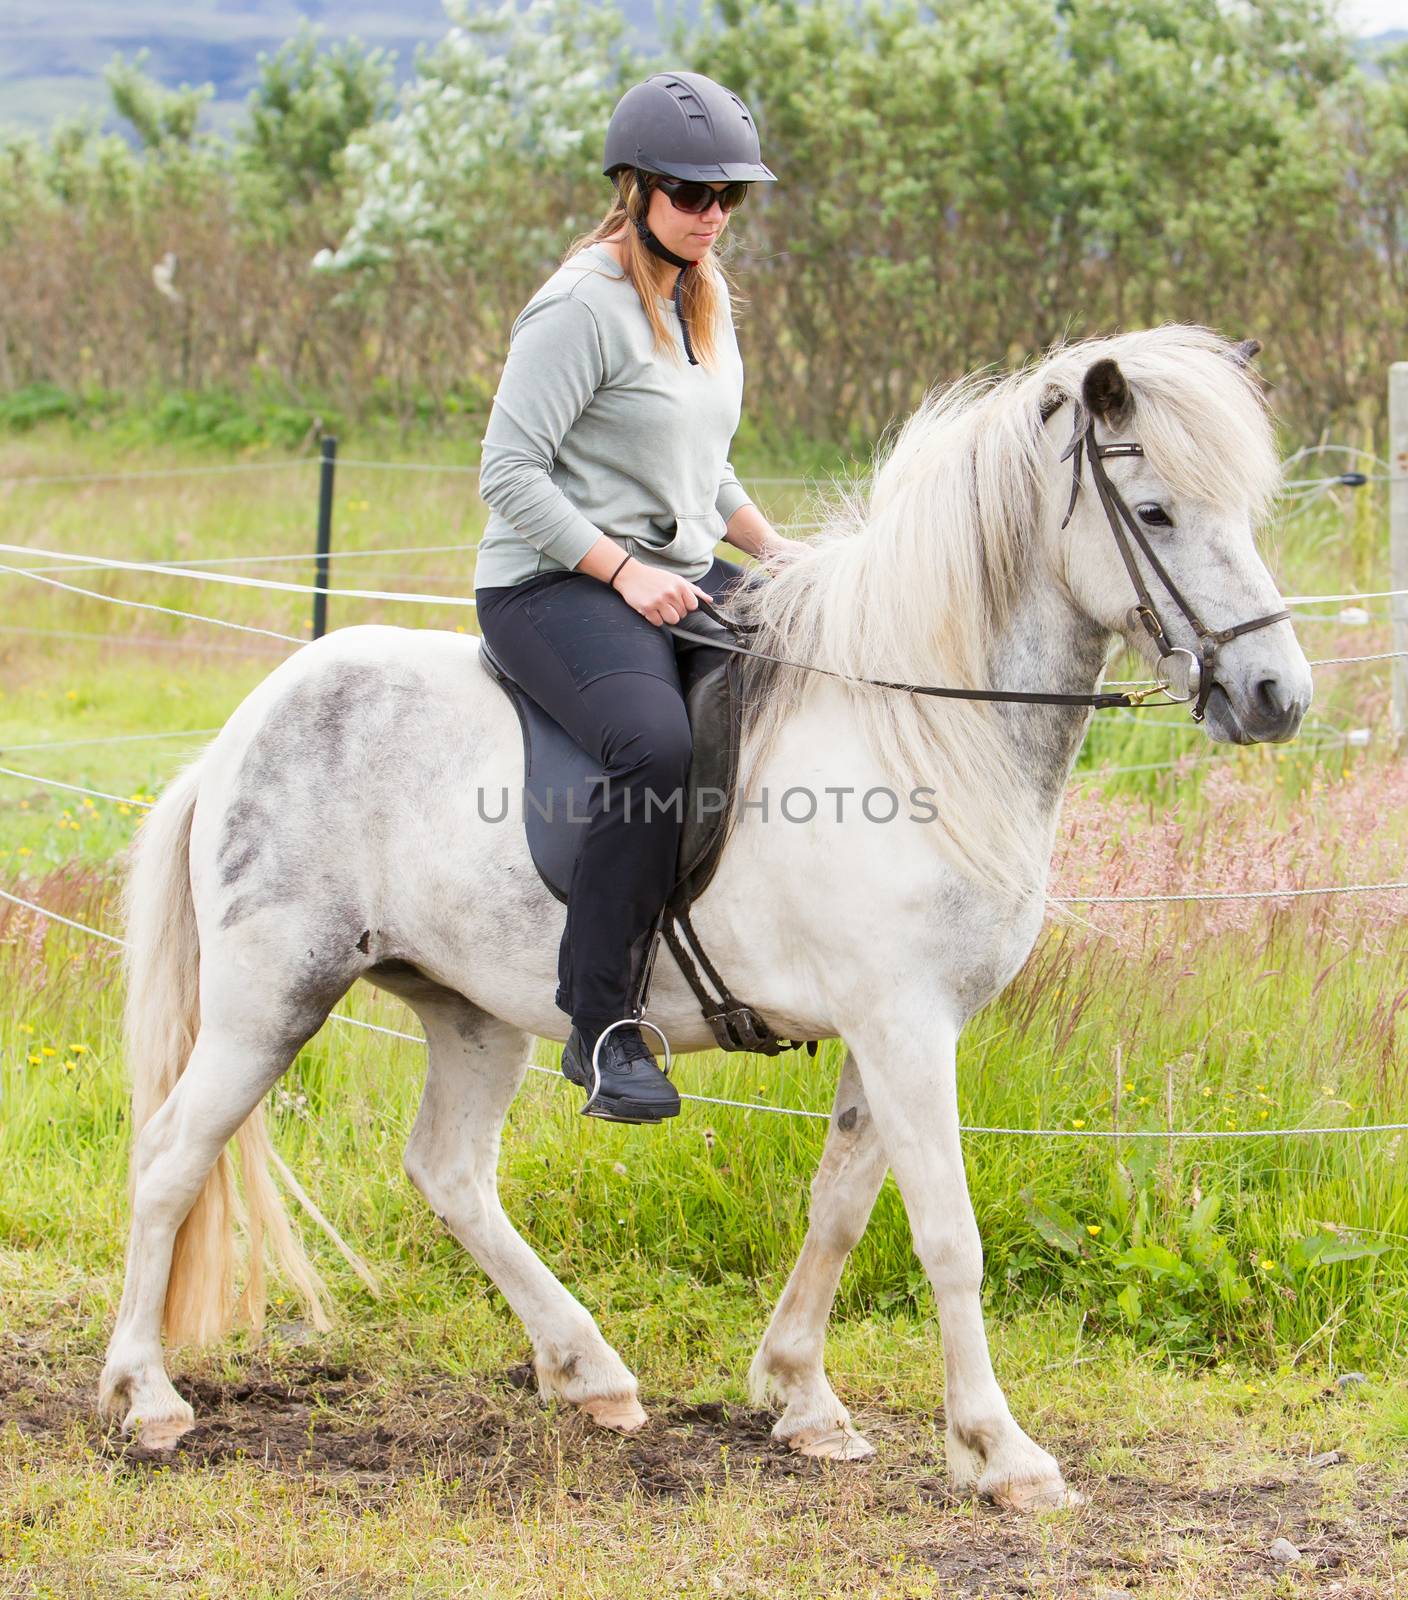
(652, 244)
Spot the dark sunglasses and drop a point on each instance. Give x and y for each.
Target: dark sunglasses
(689, 194)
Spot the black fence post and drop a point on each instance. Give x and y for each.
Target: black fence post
(320, 570)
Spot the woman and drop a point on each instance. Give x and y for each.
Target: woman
(605, 468)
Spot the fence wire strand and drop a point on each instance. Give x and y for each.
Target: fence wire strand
(824, 1116)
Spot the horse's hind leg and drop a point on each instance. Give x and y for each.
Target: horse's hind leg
(789, 1363)
(224, 1080)
(476, 1066)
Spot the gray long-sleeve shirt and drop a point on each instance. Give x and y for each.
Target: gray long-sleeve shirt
(593, 431)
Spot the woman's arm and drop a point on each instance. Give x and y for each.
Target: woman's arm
(554, 367)
(750, 531)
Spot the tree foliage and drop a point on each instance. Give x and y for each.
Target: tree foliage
(961, 182)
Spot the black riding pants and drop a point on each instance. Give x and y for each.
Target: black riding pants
(617, 683)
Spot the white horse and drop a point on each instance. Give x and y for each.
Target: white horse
(338, 828)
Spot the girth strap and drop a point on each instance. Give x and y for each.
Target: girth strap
(735, 1025)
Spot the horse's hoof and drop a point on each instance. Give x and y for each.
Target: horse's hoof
(161, 1432)
(1034, 1494)
(841, 1443)
(621, 1415)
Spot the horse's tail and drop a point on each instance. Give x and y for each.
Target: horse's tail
(162, 1020)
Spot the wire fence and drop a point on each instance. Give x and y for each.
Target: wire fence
(206, 570)
(384, 595)
(1298, 1131)
(1191, 896)
(1352, 479)
(194, 573)
(112, 738)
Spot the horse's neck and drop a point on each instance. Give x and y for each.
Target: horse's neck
(1046, 647)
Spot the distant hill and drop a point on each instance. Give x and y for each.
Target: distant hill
(52, 55)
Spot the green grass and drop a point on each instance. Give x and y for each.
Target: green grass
(1179, 1296)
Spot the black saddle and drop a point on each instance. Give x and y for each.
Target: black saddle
(560, 778)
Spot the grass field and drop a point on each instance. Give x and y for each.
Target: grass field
(1193, 1328)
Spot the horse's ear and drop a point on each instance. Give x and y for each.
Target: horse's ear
(1245, 351)
(1106, 394)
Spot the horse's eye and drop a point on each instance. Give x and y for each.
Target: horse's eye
(1154, 515)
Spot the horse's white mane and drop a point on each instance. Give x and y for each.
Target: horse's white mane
(915, 571)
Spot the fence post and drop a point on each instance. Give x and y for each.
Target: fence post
(320, 569)
(1398, 539)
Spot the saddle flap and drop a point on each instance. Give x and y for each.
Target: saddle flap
(714, 723)
(557, 783)
(560, 778)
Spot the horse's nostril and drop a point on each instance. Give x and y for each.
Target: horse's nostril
(1272, 698)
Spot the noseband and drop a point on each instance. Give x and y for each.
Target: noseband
(1125, 526)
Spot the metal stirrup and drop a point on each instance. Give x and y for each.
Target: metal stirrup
(623, 1022)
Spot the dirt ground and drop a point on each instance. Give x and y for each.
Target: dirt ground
(1172, 1517)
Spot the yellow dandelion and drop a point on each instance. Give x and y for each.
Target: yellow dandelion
(124, 811)
(79, 1049)
(24, 850)
(70, 694)
(48, 1050)
(68, 1066)
(1078, 1122)
(1129, 1088)
(1093, 1229)
(1207, 1092)
(1268, 1265)
(36, 1061)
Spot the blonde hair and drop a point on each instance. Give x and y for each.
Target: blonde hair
(708, 291)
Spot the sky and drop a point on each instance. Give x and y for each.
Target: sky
(1375, 16)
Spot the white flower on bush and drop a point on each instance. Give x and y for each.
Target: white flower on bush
(515, 94)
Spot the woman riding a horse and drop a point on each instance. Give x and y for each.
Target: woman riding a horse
(615, 412)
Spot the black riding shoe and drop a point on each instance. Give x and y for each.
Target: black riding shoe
(632, 1087)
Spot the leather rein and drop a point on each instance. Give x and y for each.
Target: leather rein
(1123, 527)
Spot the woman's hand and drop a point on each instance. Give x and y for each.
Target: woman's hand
(658, 595)
(776, 552)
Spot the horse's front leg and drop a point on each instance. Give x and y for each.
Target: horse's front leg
(906, 1062)
(789, 1363)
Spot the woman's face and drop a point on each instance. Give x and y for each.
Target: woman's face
(687, 235)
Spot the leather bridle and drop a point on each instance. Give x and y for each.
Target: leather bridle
(1124, 525)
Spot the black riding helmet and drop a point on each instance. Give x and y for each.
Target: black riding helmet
(682, 125)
